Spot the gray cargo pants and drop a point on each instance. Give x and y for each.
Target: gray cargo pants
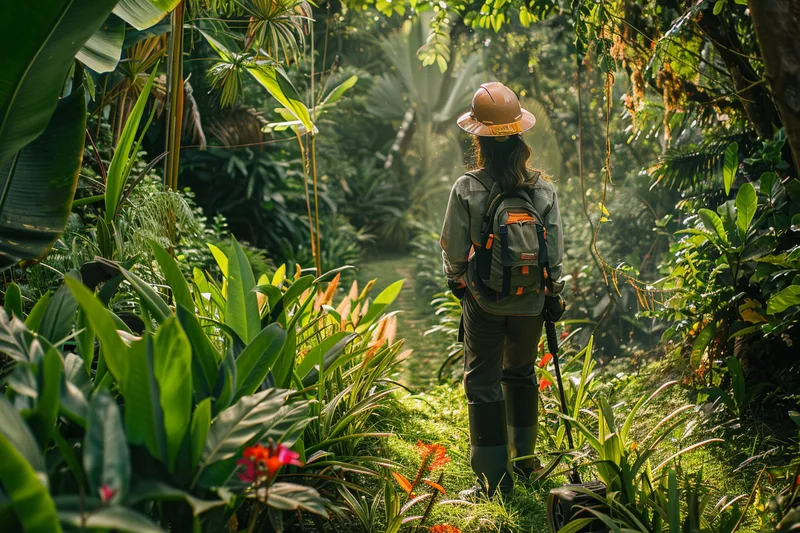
(502, 391)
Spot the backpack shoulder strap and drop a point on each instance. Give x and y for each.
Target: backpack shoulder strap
(483, 178)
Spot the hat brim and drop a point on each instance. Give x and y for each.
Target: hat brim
(472, 126)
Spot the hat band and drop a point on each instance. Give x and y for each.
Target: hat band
(506, 129)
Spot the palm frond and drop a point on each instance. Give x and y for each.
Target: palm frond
(689, 166)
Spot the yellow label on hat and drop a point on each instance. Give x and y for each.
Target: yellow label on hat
(505, 129)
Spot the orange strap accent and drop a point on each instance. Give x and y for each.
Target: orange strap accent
(519, 291)
(489, 241)
(546, 275)
(516, 218)
(525, 270)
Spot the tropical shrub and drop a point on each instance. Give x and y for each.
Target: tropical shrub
(192, 392)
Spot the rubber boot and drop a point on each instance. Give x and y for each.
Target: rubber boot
(522, 415)
(489, 447)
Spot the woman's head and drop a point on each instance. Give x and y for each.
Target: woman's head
(505, 159)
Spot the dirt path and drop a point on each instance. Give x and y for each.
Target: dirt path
(415, 318)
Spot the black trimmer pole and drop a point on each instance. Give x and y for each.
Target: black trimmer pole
(552, 344)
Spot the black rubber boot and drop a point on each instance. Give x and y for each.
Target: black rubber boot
(522, 415)
(489, 447)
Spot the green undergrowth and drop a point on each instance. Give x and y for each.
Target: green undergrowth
(440, 416)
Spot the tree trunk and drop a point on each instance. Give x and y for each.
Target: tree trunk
(777, 23)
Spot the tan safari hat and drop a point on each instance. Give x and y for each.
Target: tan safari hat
(496, 113)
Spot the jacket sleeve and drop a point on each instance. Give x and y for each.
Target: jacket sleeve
(555, 239)
(455, 240)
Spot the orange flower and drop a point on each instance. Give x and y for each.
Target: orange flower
(444, 528)
(432, 455)
(546, 358)
(544, 383)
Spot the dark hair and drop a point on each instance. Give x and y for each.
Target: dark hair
(505, 160)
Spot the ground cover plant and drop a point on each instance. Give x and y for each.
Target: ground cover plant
(223, 307)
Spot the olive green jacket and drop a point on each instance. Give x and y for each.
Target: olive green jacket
(462, 221)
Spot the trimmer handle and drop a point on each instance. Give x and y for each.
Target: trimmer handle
(552, 345)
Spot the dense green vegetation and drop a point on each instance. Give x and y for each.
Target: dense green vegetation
(222, 290)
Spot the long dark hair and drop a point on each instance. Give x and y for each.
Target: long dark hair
(506, 160)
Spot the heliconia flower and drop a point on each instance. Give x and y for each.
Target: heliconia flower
(564, 334)
(433, 455)
(544, 383)
(546, 358)
(443, 528)
(106, 493)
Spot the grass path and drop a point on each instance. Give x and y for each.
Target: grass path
(438, 414)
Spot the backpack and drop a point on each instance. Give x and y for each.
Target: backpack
(510, 257)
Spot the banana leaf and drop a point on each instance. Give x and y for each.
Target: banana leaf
(39, 42)
(38, 184)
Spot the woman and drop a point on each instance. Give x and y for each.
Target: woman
(501, 247)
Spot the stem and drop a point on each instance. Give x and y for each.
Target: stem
(174, 99)
(304, 158)
(318, 257)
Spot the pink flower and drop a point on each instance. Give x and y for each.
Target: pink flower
(106, 493)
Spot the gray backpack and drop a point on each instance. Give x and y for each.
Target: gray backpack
(511, 256)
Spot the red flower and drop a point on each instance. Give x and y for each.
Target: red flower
(434, 455)
(444, 528)
(544, 383)
(265, 461)
(106, 493)
(546, 358)
(564, 334)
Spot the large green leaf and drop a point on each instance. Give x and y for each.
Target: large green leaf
(141, 14)
(712, 222)
(13, 428)
(59, 316)
(293, 497)
(746, 205)
(702, 341)
(730, 166)
(317, 354)
(383, 300)
(114, 350)
(256, 360)
(16, 340)
(29, 497)
(39, 181)
(13, 301)
(39, 41)
(125, 153)
(241, 308)
(239, 423)
(201, 422)
(144, 416)
(102, 51)
(175, 279)
(105, 450)
(784, 299)
(49, 384)
(172, 364)
(205, 357)
(271, 77)
(114, 517)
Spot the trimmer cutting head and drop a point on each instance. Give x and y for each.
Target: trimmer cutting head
(566, 504)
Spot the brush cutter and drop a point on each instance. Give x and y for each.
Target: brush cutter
(570, 502)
